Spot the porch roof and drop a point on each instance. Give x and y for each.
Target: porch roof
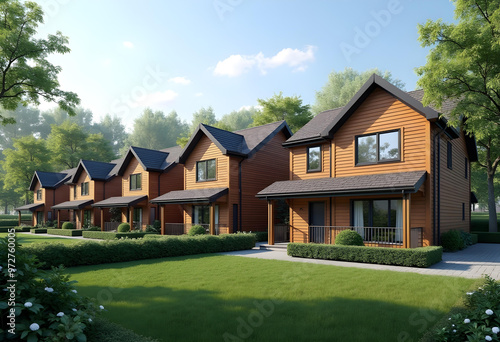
(387, 183)
(206, 195)
(73, 204)
(120, 202)
(31, 207)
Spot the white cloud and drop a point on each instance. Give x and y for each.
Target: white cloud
(180, 80)
(128, 45)
(235, 65)
(155, 98)
(198, 94)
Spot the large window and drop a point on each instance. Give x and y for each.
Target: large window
(39, 194)
(378, 147)
(314, 159)
(201, 214)
(87, 218)
(135, 181)
(377, 213)
(85, 188)
(205, 170)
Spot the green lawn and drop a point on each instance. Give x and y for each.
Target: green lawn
(217, 298)
(480, 222)
(25, 238)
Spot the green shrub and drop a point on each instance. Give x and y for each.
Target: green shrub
(260, 236)
(93, 229)
(5, 229)
(467, 239)
(153, 229)
(349, 238)
(38, 230)
(196, 230)
(45, 301)
(20, 229)
(419, 257)
(65, 232)
(93, 252)
(50, 223)
(105, 331)
(9, 222)
(452, 241)
(68, 225)
(474, 238)
(123, 227)
(485, 237)
(113, 235)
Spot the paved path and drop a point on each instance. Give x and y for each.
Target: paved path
(472, 262)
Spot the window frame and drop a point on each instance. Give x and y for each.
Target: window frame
(84, 189)
(377, 135)
(138, 185)
(39, 195)
(205, 162)
(320, 159)
(449, 155)
(370, 210)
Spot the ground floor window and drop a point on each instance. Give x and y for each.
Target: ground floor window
(201, 214)
(137, 217)
(87, 218)
(39, 217)
(377, 213)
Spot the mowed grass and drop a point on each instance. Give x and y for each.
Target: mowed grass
(230, 298)
(27, 238)
(480, 222)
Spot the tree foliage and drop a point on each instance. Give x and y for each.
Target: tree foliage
(343, 85)
(279, 107)
(26, 74)
(237, 120)
(464, 64)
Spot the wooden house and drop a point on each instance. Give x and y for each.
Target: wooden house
(383, 165)
(142, 175)
(223, 171)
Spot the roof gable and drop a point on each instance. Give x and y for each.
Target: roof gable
(97, 171)
(49, 180)
(150, 160)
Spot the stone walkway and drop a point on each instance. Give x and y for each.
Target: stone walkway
(472, 262)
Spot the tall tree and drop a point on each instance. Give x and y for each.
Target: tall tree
(25, 73)
(27, 123)
(279, 107)
(205, 116)
(98, 148)
(28, 155)
(341, 87)
(112, 130)
(464, 64)
(237, 120)
(156, 131)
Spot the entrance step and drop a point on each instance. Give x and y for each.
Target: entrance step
(275, 247)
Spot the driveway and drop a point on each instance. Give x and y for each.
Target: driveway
(472, 262)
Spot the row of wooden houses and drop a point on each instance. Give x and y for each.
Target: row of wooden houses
(383, 165)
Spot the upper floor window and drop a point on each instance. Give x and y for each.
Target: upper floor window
(378, 147)
(39, 194)
(450, 155)
(136, 181)
(85, 189)
(314, 159)
(205, 170)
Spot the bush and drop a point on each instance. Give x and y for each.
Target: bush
(349, 238)
(94, 253)
(153, 228)
(452, 241)
(45, 301)
(484, 237)
(38, 230)
(419, 257)
(93, 229)
(68, 225)
(112, 235)
(50, 223)
(467, 239)
(23, 229)
(123, 227)
(481, 317)
(260, 236)
(9, 222)
(65, 232)
(196, 230)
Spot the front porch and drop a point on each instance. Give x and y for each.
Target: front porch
(130, 210)
(34, 209)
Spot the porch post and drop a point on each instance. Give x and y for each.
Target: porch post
(131, 217)
(81, 219)
(270, 222)
(102, 219)
(19, 218)
(58, 219)
(406, 221)
(162, 219)
(212, 218)
(33, 219)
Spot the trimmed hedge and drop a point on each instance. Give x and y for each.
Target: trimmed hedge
(9, 223)
(94, 253)
(484, 237)
(89, 234)
(38, 230)
(65, 232)
(474, 238)
(419, 257)
(5, 229)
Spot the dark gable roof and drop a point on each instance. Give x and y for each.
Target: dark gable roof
(205, 195)
(120, 202)
(387, 183)
(50, 180)
(150, 160)
(99, 171)
(73, 204)
(32, 207)
(313, 129)
(243, 143)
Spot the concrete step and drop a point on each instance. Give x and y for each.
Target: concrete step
(275, 247)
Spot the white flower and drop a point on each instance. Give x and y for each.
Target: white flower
(60, 314)
(1, 268)
(454, 331)
(34, 327)
(489, 312)
(101, 307)
(449, 319)
(74, 291)
(49, 289)
(28, 304)
(74, 310)
(90, 320)
(453, 325)
(495, 330)
(470, 293)
(488, 338)
(466, 320)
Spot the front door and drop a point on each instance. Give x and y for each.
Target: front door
(137, 224)
(317, 222)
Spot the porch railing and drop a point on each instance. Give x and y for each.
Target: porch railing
(109, 226)
(378, 235)
(281, 233)
(221, 229)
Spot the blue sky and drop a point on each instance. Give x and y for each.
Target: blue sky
(187, 54)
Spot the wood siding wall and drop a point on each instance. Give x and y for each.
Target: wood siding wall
(299, 162)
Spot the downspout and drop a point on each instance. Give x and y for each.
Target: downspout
(157, 211)
(240, 199)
